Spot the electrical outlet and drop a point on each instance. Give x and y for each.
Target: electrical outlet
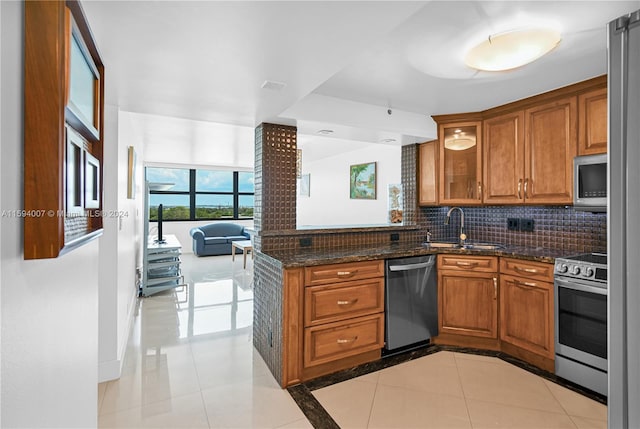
(395, 236)
(526, 225)
(306, 242)
(513, 224)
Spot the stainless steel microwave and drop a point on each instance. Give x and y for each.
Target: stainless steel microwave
(590, 183)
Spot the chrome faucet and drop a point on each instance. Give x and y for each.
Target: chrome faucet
(461, 236)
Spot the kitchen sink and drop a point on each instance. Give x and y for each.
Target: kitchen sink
(483, 246)
(469, 246)
(436, 245)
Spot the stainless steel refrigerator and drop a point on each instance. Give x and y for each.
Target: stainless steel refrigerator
(624, 222)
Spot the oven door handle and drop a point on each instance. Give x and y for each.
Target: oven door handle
(575, 285)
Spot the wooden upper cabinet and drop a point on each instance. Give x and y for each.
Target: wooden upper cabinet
(503, 166)
(428, 173)
(460, 163)
(550, 142)
(592, 122)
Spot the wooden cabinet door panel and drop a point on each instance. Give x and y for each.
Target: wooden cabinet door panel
(593, 111)
(330, 303)
(550, 142)
(332, 273)
(428, 173)
(460, 178)
(476, 264)
(526, 314)
(529, 269)
(333, 341)
(468, 305)
(503, 169)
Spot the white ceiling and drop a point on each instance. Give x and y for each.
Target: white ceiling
(344, 63)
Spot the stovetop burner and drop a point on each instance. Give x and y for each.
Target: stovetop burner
(592, 258)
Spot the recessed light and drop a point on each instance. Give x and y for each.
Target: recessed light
(512, 49)
(324, 132)
(387, 140)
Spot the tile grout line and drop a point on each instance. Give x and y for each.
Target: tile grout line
(464, 395)
(373, 401)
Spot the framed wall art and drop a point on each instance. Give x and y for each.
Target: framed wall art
(363, 181)
(131, 173)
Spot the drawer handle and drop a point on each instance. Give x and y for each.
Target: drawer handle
(344, 302)
(346, 341)
(466, 264)
(347, 273)
(530, 284)
(526, 270)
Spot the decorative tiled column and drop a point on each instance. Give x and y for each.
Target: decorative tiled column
(275, 178)
(274, 210)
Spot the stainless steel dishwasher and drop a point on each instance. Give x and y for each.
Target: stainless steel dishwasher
(411, 301)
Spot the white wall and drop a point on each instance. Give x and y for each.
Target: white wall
(120, 246)
(49, 307)
(329, 202)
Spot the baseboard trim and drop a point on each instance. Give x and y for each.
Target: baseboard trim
(112, 370)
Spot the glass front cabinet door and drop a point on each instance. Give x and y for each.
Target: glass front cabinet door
(461, 163)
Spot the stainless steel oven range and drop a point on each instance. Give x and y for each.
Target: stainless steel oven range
(581, 292)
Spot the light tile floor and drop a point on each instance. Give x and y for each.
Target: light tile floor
(457, 390)
(190, 362)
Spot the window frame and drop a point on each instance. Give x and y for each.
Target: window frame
(192, 193)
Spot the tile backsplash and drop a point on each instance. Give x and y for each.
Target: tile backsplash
(556, 227)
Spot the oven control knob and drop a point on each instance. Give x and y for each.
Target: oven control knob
(561, 268)
(588, 272)
(575, 270)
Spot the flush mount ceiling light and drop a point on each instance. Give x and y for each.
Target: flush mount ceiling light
(512, 49)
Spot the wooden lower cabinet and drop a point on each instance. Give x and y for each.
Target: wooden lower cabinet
(510, 312)
(526, 314)
(467, 299)
(469, 305)
(526, 311)
(334, 341)
(333, 318)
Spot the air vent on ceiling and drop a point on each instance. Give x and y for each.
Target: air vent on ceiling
(273, 85)
(324, 132)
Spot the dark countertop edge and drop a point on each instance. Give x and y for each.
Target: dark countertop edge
(304, 259)
(381, 228)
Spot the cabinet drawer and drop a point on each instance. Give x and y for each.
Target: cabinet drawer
(530, 270)
(479, 264)
(330, 303)
(324, 274)
(333, 341)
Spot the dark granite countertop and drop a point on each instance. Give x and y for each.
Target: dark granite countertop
(290, 259)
